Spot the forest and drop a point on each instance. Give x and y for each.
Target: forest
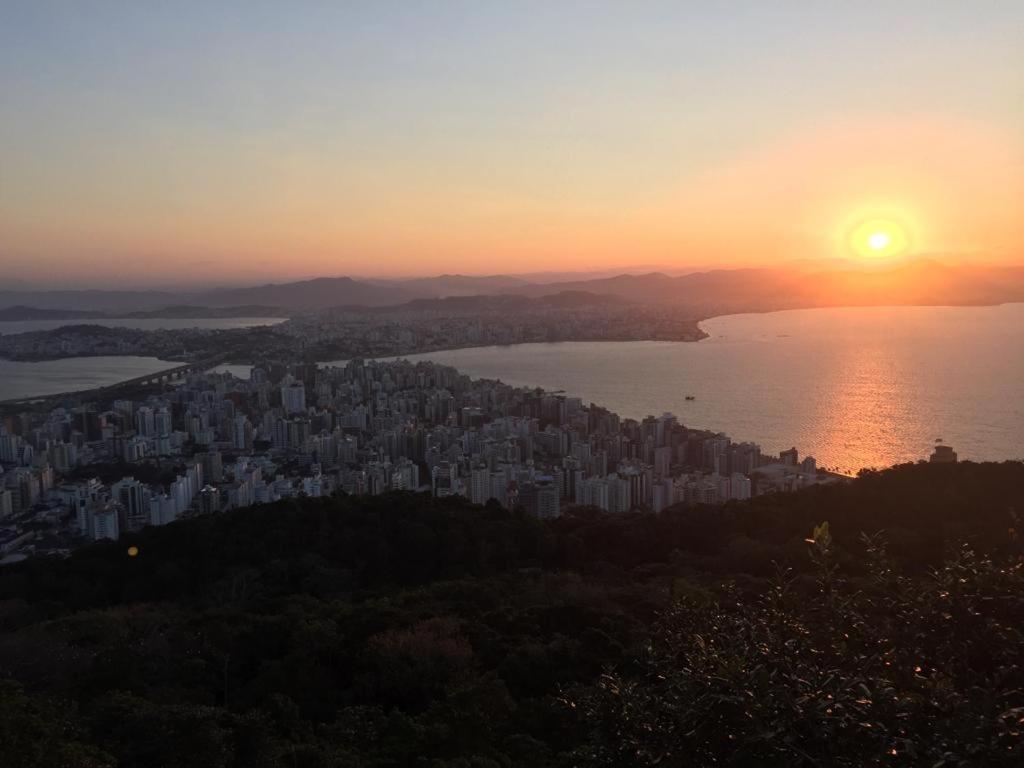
(878, 622)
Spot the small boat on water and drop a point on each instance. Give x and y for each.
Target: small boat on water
(690, 397)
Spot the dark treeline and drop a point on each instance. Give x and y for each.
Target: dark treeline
(408, 631)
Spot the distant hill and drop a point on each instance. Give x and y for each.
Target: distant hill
(307, 294)
(444, 286)
(918, 282)
(186, 311)
(20, 312)
(107, 301)
(501, 302)
(318, 293)
(712, 292)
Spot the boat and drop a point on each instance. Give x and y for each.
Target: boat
(690, 397)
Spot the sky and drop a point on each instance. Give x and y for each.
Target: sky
(146, 143)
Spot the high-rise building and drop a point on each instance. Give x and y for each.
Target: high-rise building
(597, 492)
(163, 509)
(104, 521)
(242, 436)
(405, 476)
(9, 447)
(162, 422)
(499, 486)
(213, 466)
(444, 479)
(745, 457)
(145, 422)
(739, 487)
(209, 500)
(293, 397)
(663, 495)
(480, 484)
(133, 502)
(124, 407)
(134, 448)
(64, 456)
(663, 461)
(547, 497)
(280, 434)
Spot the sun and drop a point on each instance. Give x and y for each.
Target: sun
(878, 238)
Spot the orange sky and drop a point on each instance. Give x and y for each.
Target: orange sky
(411, 142)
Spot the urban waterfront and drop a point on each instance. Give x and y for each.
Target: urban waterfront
(477, 385)
(855, 387)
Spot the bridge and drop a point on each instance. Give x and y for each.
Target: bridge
(165, 376)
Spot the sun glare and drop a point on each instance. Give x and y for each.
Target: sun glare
(879, 238)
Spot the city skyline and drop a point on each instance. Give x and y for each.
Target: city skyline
(569, 384)
(244, 144)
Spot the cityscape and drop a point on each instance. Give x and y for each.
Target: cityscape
(216, 442)
(574, 384)
(348, 332)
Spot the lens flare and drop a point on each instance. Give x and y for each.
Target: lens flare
(879, 238)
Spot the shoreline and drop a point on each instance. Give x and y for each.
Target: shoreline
(248, 360)
(582, 362)
(703, 333)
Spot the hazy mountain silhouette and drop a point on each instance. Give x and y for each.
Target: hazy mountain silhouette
(21, 312)
(918, 282)
(103, 300)
(720, 291)
(309, 294)
(497, 302)
(453, 285)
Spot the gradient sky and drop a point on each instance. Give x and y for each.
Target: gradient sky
(242, 141)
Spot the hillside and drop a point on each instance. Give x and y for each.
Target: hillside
(727, 291)
(704, 294)
(403, 631)
(318, 293)
(92, 300)
(32, 313)
(186, 311)
(499, 302)
(443, 286)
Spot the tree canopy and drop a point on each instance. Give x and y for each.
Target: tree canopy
(403, 630)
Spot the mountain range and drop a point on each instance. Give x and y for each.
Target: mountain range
(914, 282)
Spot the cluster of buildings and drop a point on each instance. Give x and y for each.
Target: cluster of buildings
(486, 321)
(375, 332)
(90, 340)
(217, 442)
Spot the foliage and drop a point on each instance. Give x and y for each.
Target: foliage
(409, 631)
(887, 670)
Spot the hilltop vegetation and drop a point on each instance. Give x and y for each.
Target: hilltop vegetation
(408, 631)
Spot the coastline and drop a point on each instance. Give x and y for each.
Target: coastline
(772, 379)
(699, 333)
